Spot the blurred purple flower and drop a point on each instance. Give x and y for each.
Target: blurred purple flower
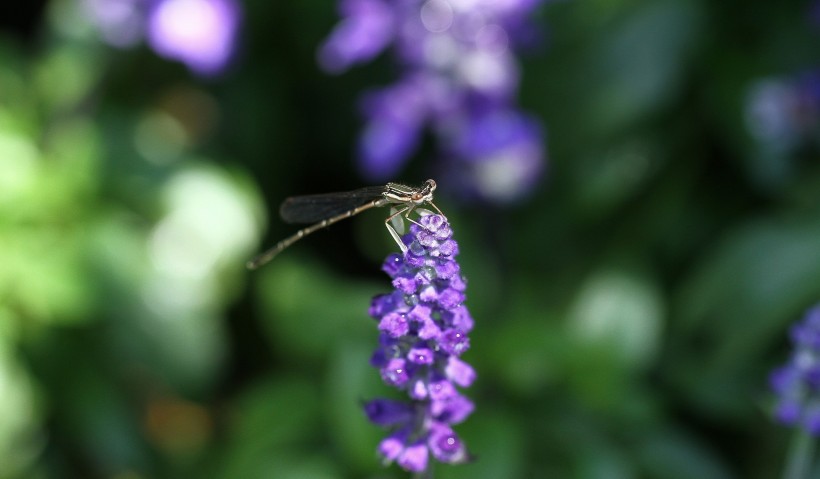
(119, 21)
(785, 113)
(814, 13)
(424, 326)
(199, 33)
(797, 383)
(366, 30)
(505, 151)
(458, 70)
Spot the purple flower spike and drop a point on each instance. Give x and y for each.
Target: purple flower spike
(424, 326)
(797, 383)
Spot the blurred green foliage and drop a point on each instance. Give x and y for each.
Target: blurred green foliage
(627, 315)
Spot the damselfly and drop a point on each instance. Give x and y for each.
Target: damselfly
(324, 210)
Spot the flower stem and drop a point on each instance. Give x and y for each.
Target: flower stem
(799, 460)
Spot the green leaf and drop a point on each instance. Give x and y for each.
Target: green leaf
(306, 308)
(637, 66)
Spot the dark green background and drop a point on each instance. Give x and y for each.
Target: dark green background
(627, 313)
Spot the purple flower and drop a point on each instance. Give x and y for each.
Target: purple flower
(814, 14)
(505, 151)
(366, 30)
(783, 114)
(119, 21)
(424, 326)
(198, 33)
(459, 80)
(797, 383)
(386, 412)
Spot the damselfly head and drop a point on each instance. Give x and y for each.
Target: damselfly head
(425, 193)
